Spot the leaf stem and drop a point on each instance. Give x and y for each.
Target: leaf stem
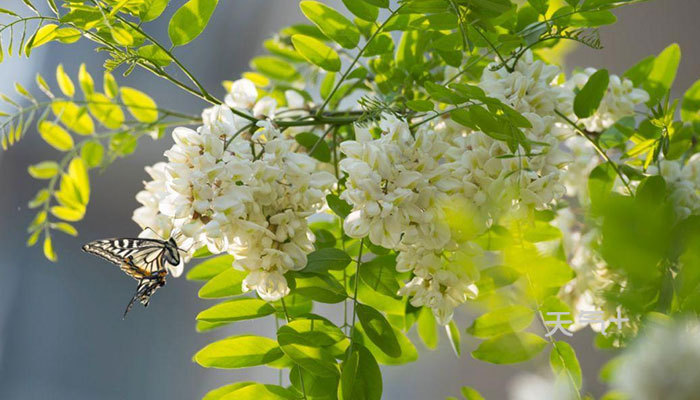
(354, 299)
(598, 149)
(356, 59)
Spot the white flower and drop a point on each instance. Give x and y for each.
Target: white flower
(271, 286)
(243, 94)
(683, 181)
(662, 364)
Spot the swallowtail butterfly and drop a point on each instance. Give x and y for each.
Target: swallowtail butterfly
(146, 260)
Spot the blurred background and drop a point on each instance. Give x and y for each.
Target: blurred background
(61, 331)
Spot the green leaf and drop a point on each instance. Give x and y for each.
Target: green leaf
(600, 184)
(152, 9)
(471, 393)
(316, 52)
(427, 328)
(312, 141)
(362, 9)
(306, 351)
(360, 378)
(140, 105)
(590, 19)
(409, 353)
(321, 288)
(380, 275)
(190, 20)
(590, 96)
(378, 330)
(315, 387)
(420, 105)
(690, 108)
(663, 73)
(236, 310)
(122, 36)
(275, 68)
(454, 337)
(210, 268)
(378, 3)
(339, 206)
(227, 283)
(64, 82)
(332, 23)
(563, 361)
(507, 319)
(219, 393)
(327, 259)
(510, 348)
(122, 144)
(640, 71)
(110, 115)
(155, 55)
(541, 6)
(239, 352)
(56, 136)
(44, 170)
(92, 153)
(443, 94)
(257, 391)
(490, 8)
(68, 35)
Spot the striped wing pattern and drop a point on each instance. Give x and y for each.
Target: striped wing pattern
(141, 259)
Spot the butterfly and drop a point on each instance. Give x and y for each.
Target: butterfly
(146, 260)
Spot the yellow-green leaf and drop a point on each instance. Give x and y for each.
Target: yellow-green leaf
(92, 153)
(190, 20)
(316, 52)
(122, 36)
(510, 348)
(332, 23)
(140, 105)
(563, 361)
(64, 82)
(109, 114)
(68, 35)
(77, 171)
(44, 170)
(239, 352)
(87, 84)
(74, 117)
(507, 319)
(48, 249)
(65, 228)
(55, 136)
(44, 35)
(67, 214)
(110, 85)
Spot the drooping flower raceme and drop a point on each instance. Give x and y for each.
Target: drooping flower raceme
(661, 364)
(246, 195)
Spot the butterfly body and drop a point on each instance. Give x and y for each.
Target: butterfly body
(146, 260)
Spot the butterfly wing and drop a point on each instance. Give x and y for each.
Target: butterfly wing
(141, 259)
(138, 258)
(146, 288)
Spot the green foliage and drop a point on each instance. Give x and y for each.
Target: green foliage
(510, 348)
(651, 251)
(590, 96)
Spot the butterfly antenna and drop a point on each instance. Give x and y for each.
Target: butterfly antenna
(157, 234)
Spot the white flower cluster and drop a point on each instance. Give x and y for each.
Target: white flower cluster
(619, 100)
(683, 181)
(662, 364)
(397, 185)
(535, 387)
(246, 195)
